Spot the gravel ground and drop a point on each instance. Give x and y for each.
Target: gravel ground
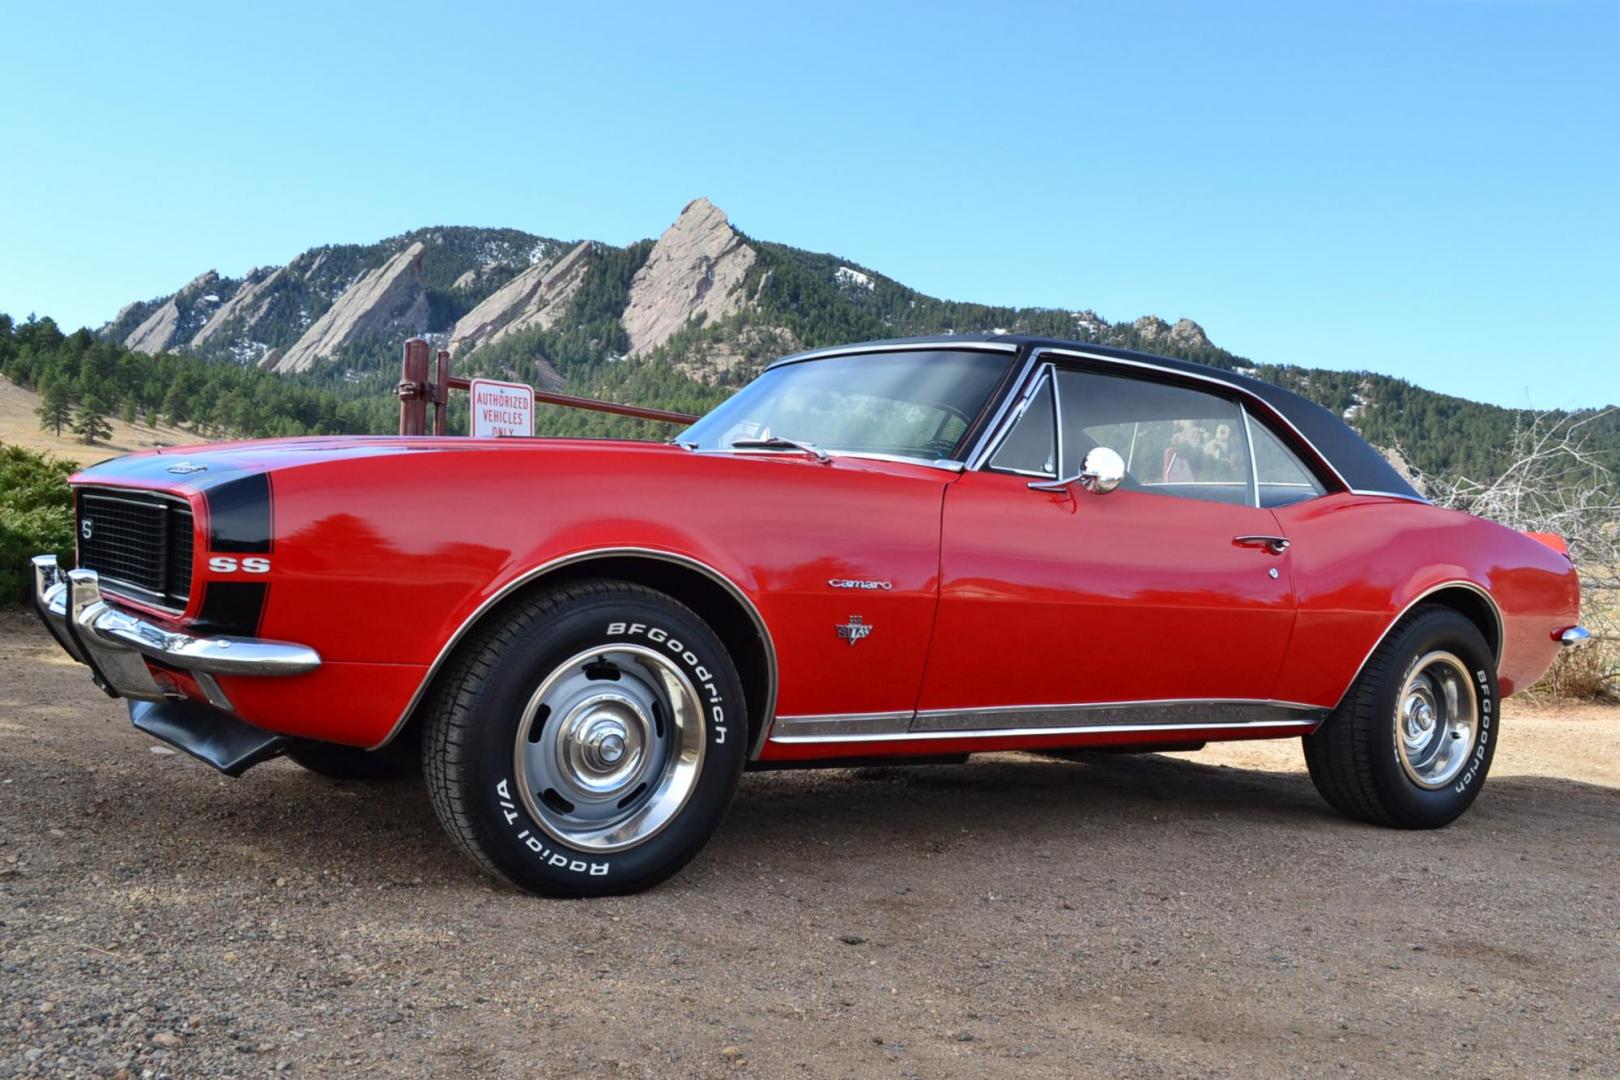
(1146, 916)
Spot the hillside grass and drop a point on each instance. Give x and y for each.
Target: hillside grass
(19, 426)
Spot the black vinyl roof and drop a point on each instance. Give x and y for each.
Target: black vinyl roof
(1358, 464)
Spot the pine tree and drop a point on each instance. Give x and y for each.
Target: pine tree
(57, 409)
(91, 423)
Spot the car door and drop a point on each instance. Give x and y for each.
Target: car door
(1159, 598)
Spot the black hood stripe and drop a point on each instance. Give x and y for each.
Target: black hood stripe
(239, 515)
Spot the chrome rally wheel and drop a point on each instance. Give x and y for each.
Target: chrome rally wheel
(587, 741)
(1412, 740)
(1437, 720)
(609, 747)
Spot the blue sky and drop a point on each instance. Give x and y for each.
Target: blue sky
(1429, 188)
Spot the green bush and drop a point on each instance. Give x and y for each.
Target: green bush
(36, 516)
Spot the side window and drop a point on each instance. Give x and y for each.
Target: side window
(1031, 446)
(1175, 441)
(1283, 477)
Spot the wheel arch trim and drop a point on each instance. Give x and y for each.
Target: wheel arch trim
(1478, 590)
(535, 573)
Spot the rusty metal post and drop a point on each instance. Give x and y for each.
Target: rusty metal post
(413, 388)
(441, 393)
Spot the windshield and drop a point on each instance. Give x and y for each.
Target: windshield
(908, 404)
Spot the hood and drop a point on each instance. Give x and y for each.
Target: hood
(198, 468)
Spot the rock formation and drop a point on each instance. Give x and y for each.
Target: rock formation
(537, 297)
(245, 307)
(695, 269)
(1186, 333)
(158, 332)
(170, 324)
(388, 301)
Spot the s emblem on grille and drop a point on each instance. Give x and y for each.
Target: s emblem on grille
(183, 468)
(854, 630)
(87, 528)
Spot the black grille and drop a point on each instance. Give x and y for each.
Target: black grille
(140, 545)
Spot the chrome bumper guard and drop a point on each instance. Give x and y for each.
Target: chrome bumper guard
(1575, 637)
(117, 645)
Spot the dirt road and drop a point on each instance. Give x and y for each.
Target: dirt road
(1148, 916)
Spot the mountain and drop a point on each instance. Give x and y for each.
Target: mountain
(331, 298)
(680, 322)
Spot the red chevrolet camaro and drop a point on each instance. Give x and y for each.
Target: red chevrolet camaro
(900, 550)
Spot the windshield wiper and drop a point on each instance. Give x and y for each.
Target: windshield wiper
(777, 442)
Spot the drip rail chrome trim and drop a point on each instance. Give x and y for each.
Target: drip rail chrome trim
(915, 346)
(544, 568)
(1035, 732)
(1244, 396)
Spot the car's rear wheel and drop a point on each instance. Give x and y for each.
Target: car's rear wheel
(1413, 739)
(587, 743)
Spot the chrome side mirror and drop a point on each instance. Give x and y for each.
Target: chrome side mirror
(1101, 472)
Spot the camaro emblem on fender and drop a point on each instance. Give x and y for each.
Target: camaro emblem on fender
(854, 630)
(184, 467)
(857, 583)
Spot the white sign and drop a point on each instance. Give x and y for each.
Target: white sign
(501, 408)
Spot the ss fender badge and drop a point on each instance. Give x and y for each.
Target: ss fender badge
(854, 630)
(225, 564)
(856, 583)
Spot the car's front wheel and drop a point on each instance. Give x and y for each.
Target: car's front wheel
(1413, 739)
(587, 743)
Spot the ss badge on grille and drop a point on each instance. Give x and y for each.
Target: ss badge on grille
(87, 528)
(854, 630)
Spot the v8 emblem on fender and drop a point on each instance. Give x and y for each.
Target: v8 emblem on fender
(854, 630)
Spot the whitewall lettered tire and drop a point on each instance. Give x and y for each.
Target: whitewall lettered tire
(588, 741)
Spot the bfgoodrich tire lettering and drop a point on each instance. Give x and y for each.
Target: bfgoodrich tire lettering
(588, 742)
(1412, 741)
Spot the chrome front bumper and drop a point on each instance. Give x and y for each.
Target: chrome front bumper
(116, 645)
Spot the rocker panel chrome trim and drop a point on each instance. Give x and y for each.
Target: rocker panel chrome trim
(1167, 713)
(586, 556)
(1089, 716)
(841, 724)
(1034, 732)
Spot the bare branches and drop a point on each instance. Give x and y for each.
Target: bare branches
(1555, 483)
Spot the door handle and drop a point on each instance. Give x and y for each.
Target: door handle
(1274, 544)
